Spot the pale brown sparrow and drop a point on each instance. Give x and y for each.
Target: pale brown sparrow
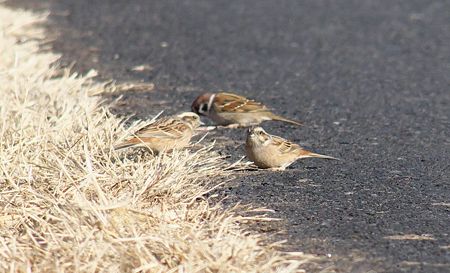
(232, 110)
(273, 152)
(165, 134)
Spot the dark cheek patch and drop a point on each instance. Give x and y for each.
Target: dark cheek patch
(203, 108)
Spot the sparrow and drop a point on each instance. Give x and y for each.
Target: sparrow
(232, 110)
(273, 152)
(165, 134)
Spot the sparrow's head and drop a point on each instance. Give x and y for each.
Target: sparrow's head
(202, 104)
(258, 135)
(192, 119)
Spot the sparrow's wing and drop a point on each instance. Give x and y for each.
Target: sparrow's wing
(168, 128)
(228, 102)
(285, 146)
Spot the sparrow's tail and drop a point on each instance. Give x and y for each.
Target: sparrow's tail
(128, 143)
(123, 146)
(280, 118)
(306, 154)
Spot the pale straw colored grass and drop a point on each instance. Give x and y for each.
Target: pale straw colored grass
(70, 203)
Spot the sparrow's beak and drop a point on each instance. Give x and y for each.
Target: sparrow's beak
(202, 123)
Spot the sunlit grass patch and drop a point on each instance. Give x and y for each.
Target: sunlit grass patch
(71, 203)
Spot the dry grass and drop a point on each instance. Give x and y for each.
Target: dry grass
(69, 203)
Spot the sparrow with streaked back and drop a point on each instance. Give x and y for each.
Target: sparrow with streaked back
(273, 152)
(228, 109)
(165, 134)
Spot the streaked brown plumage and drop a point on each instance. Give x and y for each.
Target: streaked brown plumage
(228, 109)
(273, 152)
(165, 134)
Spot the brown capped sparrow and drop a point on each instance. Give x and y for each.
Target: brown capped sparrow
(232, 110)
(268, 151)
(165, 134)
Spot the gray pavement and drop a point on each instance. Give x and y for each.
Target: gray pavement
(370, 79)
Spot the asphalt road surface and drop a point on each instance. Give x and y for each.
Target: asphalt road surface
(370, 79)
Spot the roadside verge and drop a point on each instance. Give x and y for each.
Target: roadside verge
(71, 203)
